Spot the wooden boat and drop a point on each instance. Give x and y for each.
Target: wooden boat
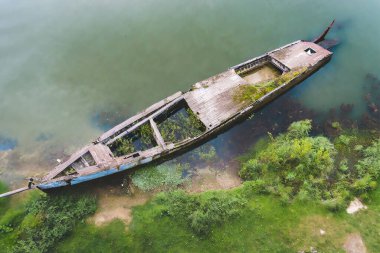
(209, 106)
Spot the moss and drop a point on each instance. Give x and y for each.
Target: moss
(252, 92)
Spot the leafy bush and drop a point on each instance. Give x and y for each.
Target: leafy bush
(297, 165)
(49, 218)
(368, 169)
(164, 175)
(202, 212)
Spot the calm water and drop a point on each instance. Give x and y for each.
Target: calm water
(71, 69)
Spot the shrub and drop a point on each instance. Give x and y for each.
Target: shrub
(50, 218)
(295, 165)
(202, 212)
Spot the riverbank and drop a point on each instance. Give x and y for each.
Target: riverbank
(214, 211)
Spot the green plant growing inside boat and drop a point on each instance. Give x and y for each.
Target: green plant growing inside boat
(180, 125)
(140, 139)
(252, 92)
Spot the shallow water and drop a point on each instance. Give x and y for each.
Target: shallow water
(71, 69)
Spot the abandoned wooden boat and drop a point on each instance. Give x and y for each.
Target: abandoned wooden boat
(203, 111)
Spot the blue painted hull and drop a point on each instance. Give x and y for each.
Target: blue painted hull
(96, 175)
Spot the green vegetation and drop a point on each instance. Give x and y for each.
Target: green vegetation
(165, 176)
(262, 224)
(111, 238)
(336, 125)
(251, 93)
(38, 222)
(122, 147)
(314, 174)
(201, 212)
(295, 165)
(4, 202)
(140, 139)
(180, 125)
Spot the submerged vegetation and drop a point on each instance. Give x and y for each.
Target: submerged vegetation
(140, 139)
(180, 125)
(252, 92)
(165, 176)
(175, 127)
(296, 165)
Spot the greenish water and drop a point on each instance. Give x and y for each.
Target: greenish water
(70, 69)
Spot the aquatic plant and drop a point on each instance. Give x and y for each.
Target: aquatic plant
(180, 125)
(202, 154)
(336, 125)
(122, 147)
(167, 176)
(140, 139)
(252, 92)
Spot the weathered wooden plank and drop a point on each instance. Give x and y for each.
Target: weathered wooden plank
(157, 135)
(65, 164)
(10, 193)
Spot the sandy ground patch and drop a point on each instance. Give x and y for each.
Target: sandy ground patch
(112, 204)
(354, 244)
(205, 179)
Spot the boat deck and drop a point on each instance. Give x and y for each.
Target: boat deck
(213, 99)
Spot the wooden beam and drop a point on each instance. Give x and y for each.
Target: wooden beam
(157, 135)
(158, 112)
(138, 116)
(6, 194)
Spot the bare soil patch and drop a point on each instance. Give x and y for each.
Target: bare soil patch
(354, 244)
(210, 179)
(115, 205)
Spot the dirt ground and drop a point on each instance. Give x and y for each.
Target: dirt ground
(354, 244)
(211, 179)
(114, 204)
